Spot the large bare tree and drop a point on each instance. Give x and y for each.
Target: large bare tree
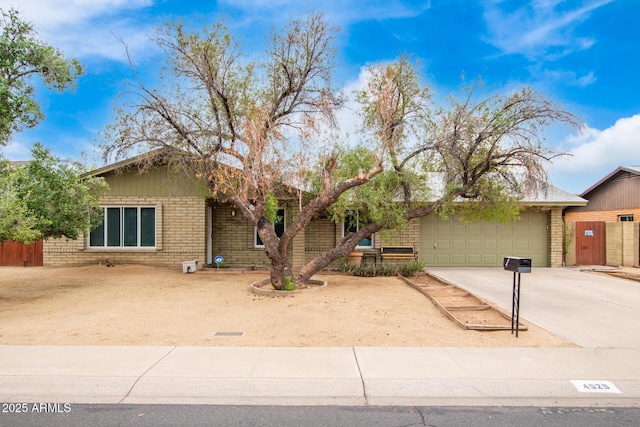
(257, 132)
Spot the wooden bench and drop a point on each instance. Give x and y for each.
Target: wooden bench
(398, 252)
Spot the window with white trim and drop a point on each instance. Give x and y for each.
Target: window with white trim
(125, 227)
(351, 224)
(279, 226)
(625, 218)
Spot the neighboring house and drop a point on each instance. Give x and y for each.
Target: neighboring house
(615, 198)
(606, 228)
(158, 218)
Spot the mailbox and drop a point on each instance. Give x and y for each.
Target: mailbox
(517, 264)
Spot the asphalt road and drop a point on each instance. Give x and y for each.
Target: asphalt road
(322, 416)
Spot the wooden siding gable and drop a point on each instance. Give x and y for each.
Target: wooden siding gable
(618, 190)
(155, 182)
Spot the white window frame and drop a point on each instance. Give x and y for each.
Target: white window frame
(626, 218)
(122, 247)
(357, 229)
(255, 229)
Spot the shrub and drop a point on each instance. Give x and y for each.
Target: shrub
(408, 269)
(364, 271)
(411, 268)
(387, 270)
(289, 284)
(348, 268)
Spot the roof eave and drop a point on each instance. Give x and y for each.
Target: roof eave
(607, 177)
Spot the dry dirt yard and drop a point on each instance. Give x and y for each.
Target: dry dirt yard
(138, 305)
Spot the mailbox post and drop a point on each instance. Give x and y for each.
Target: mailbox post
(517, 265)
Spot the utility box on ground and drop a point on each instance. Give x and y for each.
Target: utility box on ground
(189, 266)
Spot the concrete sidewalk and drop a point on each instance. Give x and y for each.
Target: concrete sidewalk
(596, 312)
(320, 376)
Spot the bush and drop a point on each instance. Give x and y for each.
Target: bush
(411, 268)
(289, 285)
(348, 268)
(408, 269)
(364, 271)
(387, 270)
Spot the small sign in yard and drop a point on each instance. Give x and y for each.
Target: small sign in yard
(595, 386)
(218, 260)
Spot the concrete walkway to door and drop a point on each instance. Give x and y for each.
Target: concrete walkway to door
(589, 309)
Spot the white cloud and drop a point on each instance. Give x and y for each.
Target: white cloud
(348, 118)
(338, 12)
(586, 80)
(596, 150)
(84, 28)
(16, 151)
(48, 15)
(541, 28)
(563, 77)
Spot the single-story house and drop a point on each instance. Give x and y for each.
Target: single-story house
(160, 218)
(607, 228)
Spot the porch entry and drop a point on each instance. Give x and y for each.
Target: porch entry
(209, 237)
(590, 243)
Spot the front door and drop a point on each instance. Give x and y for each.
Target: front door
(590, 243)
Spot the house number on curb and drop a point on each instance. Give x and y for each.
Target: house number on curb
(586, 386)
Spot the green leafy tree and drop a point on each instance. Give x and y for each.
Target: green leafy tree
(476, 157)
(23, 56)
(47, 199)
(260, 132)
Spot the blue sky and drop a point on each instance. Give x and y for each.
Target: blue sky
(584, 54)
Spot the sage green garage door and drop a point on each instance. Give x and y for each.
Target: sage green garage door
(453, 243)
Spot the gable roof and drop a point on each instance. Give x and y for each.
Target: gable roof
(136, 161)
(549, 196)
(633, 170)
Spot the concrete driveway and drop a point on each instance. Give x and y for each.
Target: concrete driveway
(589, 309)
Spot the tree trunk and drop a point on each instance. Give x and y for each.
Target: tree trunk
(341, 250)
(351, 241)
(277, 252)
(280, 270)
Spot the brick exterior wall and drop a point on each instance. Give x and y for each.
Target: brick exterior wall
(320, 236)
(180, 236)
(233, 238)
(607, 216)
(409, 235)
(622, 244)
(556, 237)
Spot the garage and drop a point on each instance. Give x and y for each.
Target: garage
(451, 243)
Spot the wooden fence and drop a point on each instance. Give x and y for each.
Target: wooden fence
(18, 254)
